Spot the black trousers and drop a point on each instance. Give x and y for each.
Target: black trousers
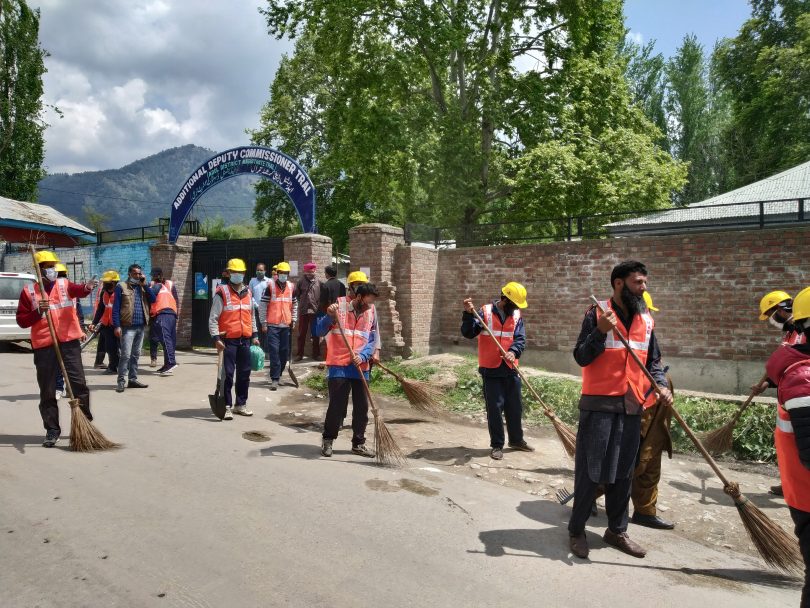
(502, 397)
(236, 362)
(111, 346)
(101, 348)
(339, 389)
(802, 521)
(47, 365)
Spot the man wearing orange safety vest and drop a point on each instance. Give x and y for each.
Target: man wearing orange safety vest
(31, 313)
(102, 320)
(164, 320)
(614, 394)
(342, 364)
(789, 370)
(501, 382)
(232, 326)
(277, 314)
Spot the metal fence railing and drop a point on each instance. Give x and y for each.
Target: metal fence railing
(675, 220)
(145, 233)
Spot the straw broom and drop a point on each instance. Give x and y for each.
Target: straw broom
(566, 436)
(776, 547)
(388, 452)
(720, 440)
(84, 437)
(421, 395)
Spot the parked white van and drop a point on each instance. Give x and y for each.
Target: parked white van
(11, 284)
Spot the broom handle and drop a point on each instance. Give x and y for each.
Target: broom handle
(675, 412)
(547, 410)
(357, 367)
(393, 373)
(44, 294)
(747, 402)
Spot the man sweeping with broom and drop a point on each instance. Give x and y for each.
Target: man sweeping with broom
(502, 384)
(344, 365)
(31, 309)
(613, 396)
(789, 369)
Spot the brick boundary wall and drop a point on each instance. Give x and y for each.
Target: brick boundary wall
(707, 285)
(305, 248)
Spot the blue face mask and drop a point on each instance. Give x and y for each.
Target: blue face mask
(282, 278)
(237, 277)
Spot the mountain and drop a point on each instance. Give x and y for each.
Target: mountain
(141, 192)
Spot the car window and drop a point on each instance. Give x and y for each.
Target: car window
(10, 287)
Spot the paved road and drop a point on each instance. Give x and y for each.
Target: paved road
(190, 513)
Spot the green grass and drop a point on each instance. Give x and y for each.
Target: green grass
(753, 437)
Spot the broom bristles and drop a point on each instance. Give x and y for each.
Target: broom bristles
(423, 397)
(388, 452)
(777, 548)
(84, 436)
(566, 436)
(720, 441)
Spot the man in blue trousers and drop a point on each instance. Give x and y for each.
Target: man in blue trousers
(164, 313)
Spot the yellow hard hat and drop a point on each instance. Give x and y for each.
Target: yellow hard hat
(60, 267)
(45, 256)
(110, 276)
(358, 276)
(236, 265)
(275, 267)
(516, 293)
(282, 267)
(649, 302)
(801, 305)
(769, 301)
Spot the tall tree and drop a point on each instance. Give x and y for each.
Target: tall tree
(21, 122)
(765, 72)
(646, 77)
(416, 111)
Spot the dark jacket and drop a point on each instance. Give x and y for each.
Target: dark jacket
(331, 290)
(124, 304)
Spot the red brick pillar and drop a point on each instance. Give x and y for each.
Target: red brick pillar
(304, 248)
(371, 248)
(175, 262)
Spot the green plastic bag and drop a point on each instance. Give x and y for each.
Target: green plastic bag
(256, 358)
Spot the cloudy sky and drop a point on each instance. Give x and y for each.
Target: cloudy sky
(135, 77)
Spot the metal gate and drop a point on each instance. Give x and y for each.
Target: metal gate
(209, 259)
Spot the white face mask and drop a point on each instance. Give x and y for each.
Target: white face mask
(282, 277)
(50, 274)
(776, 322)
(237, 277)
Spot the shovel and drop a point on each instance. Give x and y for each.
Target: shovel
(217, 400)
(289, 362)
(90, 338)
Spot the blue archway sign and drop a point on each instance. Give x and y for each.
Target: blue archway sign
(247, 160)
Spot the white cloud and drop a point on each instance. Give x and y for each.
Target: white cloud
(636, 37)
(133, 77)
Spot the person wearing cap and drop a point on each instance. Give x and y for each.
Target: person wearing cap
(308, 294)
(164, 313)
(62, 273)
(232, 325)
(614, 394)
(655, 438)
(788, 369)
(277, 314)
(102, 319)
(130, 319)
(343, 363)
(31, 310)
(501, 382)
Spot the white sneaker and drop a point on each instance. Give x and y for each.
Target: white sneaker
(242, 410)
(58, 395)
(228, 414)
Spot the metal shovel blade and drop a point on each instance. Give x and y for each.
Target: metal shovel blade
(289, 363)
(217, 400)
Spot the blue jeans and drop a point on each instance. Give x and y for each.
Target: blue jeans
(278, 348)
(131, 345)
(236, 362)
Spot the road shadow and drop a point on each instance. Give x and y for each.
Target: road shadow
(15, 398)
(20, 442)
(553, 471)
(298, 450)
(410, 421)
(300, 424)
(458, 455)
(714, 494)
(202, 413)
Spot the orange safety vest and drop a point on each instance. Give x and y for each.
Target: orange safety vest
(795, 476)
(109, 300)
(614, 371)
(236, 319)
(488, 353)
(357, 330)
(63, 314)
(164, 300)
(279, 309)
